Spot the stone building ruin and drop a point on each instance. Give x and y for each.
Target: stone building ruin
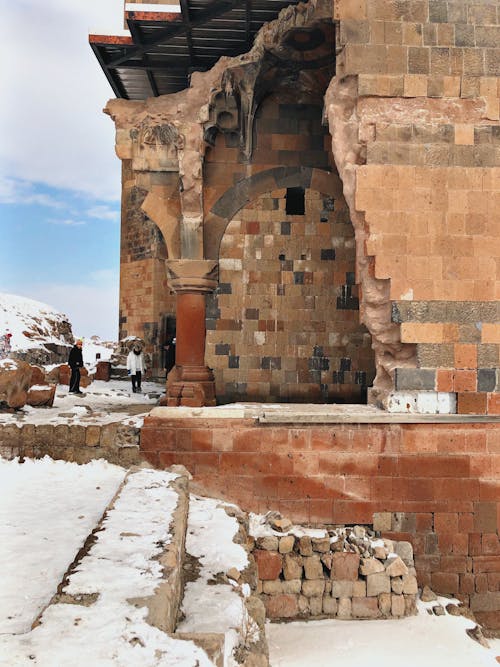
(310, 198)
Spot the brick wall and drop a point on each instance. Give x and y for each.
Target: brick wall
(145, 298)
(284, 322)
(428, 91)
(434, 485)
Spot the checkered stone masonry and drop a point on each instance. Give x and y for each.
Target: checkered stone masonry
(288, 329)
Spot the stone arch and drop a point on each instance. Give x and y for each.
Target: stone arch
(283, 324)
(249, 189)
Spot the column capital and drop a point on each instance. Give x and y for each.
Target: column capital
(192, 275)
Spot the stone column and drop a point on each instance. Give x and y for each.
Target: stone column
(191, 382)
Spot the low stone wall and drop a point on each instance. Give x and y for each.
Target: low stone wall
(116, 442)
(342, 573)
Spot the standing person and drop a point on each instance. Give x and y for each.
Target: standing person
(136, 366)
(75, 362)
(5, 346)
(169, 354)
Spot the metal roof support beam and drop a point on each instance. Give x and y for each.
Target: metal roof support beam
(187, 21)
(136, 36)
(217, 9)
(248, 23)
(118, 90)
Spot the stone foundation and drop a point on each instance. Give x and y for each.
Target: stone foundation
(116, 442)
(433, 481)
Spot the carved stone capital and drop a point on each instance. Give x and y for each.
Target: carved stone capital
(192, 275)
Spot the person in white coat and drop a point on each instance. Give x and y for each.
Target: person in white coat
(136, 367)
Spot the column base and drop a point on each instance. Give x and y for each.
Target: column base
(191, 386)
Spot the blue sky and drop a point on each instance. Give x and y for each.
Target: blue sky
(59, 176)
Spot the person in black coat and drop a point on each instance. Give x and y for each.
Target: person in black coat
(169, 354)
(75, 362)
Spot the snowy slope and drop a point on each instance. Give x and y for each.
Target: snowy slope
(33, 325)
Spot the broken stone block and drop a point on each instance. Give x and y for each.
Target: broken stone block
(286, 544)
(410, 586)
(365, 608)
(313, 569)
(329, 605)
(405, 551)
(292, 566)
(428, 595)
(344, 609)
(305, 545)
(377, 583)
(41, 395)
(395, 567)
(321, 544)
(397, 605)
(345, 565)
(269, 564)
(313, 587)
(370, 566)
(342, 589)
(268, 543)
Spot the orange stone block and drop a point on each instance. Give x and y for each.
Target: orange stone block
(493, 404)
(464, 134)
(465, 380)
(465, 356)
(472, 403)
(445, 379)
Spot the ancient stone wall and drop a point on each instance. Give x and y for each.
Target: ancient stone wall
(116, 442)
(434, 485)
(414, 118)
(145, 299)
(283, 324)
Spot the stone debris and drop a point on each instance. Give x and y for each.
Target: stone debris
(342, 571)
(427, 595)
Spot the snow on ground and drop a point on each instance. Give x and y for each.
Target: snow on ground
(209, 538)
(19, 314)
(103, 402)
(417, 641)
(47, 509)
(121, 565)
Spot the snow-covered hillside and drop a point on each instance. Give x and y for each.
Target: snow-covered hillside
(41, 334)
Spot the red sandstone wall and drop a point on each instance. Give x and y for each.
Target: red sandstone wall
(436, 485)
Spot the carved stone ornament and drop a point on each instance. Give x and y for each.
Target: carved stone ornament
(193, 275)
(155, 146)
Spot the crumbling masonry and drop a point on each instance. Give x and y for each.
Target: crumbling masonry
(320, 217)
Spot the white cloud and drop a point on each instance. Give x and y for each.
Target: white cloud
(13, 191)
(104, 213)
(53, 94)
(68, 222)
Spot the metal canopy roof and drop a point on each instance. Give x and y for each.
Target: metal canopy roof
(164, 48)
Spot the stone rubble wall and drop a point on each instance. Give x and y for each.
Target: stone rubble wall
(116, 442)
(313, 577)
